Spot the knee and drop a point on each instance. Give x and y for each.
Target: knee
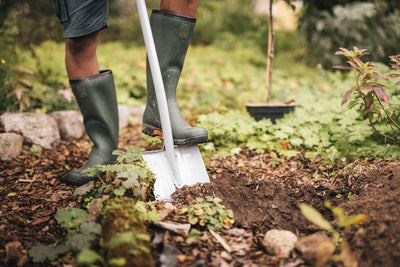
(81, 45)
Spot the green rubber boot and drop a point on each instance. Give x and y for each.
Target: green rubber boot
(171, 35)
(97, 101)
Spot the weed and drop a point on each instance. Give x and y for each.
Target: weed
(36, 150)
(208, 212)
(343, 223)
(82, 234)
(128, 175)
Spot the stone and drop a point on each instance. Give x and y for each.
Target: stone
(137, 112)
(129, 115)
(127, 112)
(10, 145)
(310, 245)
(123, 113)
(39, 129)
(279, 242)
(70, 124)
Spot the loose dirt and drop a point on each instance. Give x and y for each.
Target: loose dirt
(263, 191)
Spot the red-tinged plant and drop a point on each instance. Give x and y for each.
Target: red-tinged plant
(369, 93)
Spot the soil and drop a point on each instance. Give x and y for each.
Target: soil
(263, 191)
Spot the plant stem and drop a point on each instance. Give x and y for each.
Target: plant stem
(387, 114)
(380, 133)
(270, 54)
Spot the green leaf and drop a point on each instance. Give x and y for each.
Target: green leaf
(131, 178)
(71, 217)
(41, 253)
(200, 200)
(351, 220)
(90, 227)
(121, 238)
(88, 257)
(120, 191)
(315, 217)
(78, 241)
(117, 261)
(91, 172)
(193, 236)
(193, 220)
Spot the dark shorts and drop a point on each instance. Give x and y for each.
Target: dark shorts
(81, 17)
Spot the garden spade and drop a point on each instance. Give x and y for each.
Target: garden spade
(173, 166)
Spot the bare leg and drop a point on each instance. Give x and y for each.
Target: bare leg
(186, 8)
(80, 56)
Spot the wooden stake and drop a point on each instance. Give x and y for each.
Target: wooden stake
(270, 54)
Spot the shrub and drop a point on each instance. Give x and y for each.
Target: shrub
(368, 25)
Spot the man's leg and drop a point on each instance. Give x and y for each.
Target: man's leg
(172, 28)
(95, 94)
(80, 56)
(187, 8)
(94, 90)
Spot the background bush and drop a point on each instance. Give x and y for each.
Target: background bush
(327, 25)
(32, 79)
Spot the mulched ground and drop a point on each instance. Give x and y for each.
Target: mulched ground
(261, 189)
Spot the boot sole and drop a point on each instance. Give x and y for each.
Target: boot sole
(152, 131)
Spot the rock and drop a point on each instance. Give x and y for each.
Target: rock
(10, 145)
(137, 112)
(125, 112)
(70, 124)
(279, 242)
(39, 129)
(309, 245)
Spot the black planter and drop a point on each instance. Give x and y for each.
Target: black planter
(271, 111)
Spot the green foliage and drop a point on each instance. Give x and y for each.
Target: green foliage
(123, 218)
(208, 212)
(88, 257)
(369, 91)
(128, 238)
(71, 218)
(125, 238)
(129, 175)
(373, 25)
(319, 126)
(82, 234)
(8, 59)
(337, 230)
(193, 236)
(343, 221)
(217, 19)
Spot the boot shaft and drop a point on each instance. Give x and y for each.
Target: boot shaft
(172, 34)
(97, 101)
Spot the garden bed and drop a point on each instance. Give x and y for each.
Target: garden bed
(263, 191)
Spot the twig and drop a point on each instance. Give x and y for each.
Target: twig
(181, 229)
(221, 241)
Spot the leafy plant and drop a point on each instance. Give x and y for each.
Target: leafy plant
(129, 175)
(82, 234)
(337, 230)
(369, 91)
(125, 239)
(208, 212)
(344, 221)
